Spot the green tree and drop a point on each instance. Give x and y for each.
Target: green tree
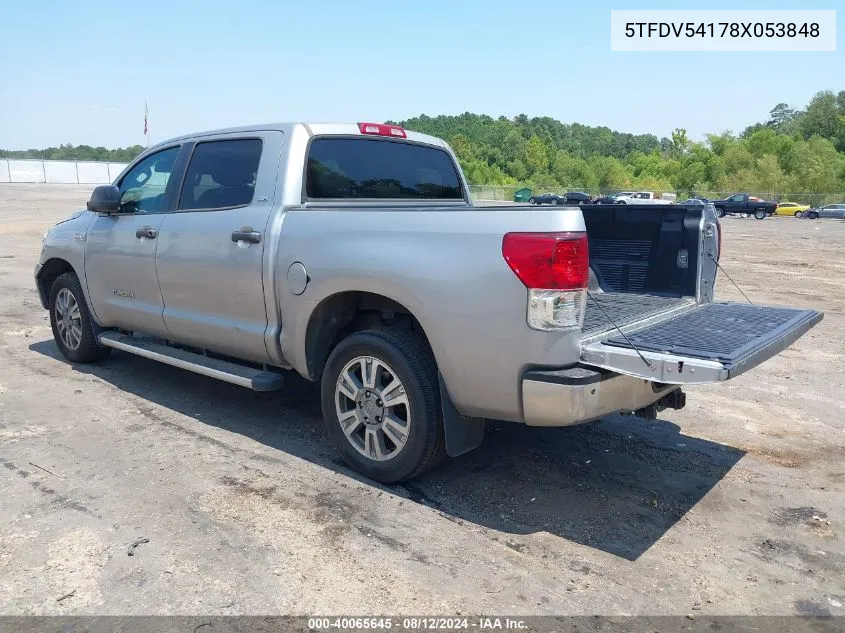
(536, 156)
(680, 141)
(822, 117)
(816, 166)
(782, 118)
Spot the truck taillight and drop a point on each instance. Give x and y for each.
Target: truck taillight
(382, 129)
(555, 267)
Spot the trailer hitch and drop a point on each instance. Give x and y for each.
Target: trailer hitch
(675, 399)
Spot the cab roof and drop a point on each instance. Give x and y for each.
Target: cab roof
(313, 129)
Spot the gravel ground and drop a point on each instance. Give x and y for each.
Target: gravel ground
(734, 505)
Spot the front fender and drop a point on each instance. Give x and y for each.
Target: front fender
(64, 243)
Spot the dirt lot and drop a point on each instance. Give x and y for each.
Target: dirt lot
(735, 505)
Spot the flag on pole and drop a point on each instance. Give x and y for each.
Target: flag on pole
(146, 116)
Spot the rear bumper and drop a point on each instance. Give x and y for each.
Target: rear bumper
(572, 396)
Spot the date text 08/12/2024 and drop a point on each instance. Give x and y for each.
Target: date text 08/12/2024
(416, 623)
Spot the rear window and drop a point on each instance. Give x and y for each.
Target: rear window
(349, 168)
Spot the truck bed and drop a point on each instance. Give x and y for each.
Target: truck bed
(636, 266)
(624, 308)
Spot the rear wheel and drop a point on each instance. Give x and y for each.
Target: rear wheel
(381, 404)
(70, 320)
(720, 212)
(760, 214)
(558, 201)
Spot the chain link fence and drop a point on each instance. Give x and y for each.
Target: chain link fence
(506, 193)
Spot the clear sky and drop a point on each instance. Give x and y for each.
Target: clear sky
(79, 72)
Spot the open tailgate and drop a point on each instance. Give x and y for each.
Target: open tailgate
(710, 343)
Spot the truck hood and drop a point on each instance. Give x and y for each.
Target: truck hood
(72, 216)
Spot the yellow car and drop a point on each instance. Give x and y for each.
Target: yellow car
(791, 208)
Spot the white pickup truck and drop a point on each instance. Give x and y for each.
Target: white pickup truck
(352, 255)
(647, 197)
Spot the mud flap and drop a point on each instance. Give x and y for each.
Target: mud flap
(714, 342)
(463, 434)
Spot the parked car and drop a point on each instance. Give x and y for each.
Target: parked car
(832, 211)
(547, 198)
(836, 211)
(578, 197)
(694, 201)
(353, 256)
(743, 204)
(647, 197)
(613, 197)
(791, 208)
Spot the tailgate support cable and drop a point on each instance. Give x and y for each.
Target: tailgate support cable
(719, 266)
(625, 336)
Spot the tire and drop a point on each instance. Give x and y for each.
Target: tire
(798, 214)
(720, 212)
(558, 202)
(71, 322)
(760, 214)
(532, 201)
(370, 447)
(813, 215)
(621, 202)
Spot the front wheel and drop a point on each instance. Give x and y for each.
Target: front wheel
(798, 214)
(381, 404)
(71, 322)
(532, 201)
(760, 214)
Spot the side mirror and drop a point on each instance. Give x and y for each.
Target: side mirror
(105, 199)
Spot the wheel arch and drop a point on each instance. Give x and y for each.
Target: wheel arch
(346, 312)
(51, 270)
(343, 313)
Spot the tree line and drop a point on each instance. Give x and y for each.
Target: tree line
(793, 151)
(77, 152)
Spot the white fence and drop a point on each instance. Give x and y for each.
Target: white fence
(59, 171)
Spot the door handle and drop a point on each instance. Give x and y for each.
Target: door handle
(147, 231)
(246, 234)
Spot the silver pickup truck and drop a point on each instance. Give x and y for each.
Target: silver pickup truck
(352, 254)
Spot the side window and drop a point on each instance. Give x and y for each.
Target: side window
(737, 198)
(349, 168)
(221, 175)
(142, 189)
